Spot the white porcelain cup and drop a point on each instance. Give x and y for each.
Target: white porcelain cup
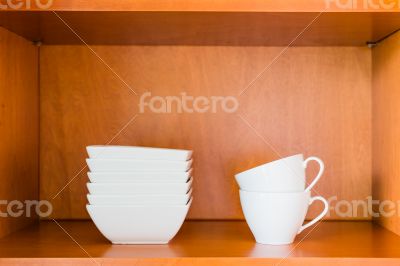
(284, 175)
(276, 218)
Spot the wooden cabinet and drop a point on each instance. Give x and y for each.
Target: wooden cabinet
(305, 79)
(205, 243)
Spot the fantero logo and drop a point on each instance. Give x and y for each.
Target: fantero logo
(363, 4)
(27, 208)
(25, 4)
(185, 103)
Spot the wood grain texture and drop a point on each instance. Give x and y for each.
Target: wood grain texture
(212, 5)
(386, 128)
(208, 243)
(203, 28)
(204, 261)
(19, 126)
(312, 100)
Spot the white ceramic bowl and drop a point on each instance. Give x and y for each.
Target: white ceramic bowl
(142, 177)
(125, 165)
(148, 200)
(139, 188)
(128, 224)
(137, 153)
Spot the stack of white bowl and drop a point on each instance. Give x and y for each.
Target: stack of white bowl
(139, 195)
(275, 199)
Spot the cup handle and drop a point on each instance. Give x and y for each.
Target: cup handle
(319, 217)
(321, 170)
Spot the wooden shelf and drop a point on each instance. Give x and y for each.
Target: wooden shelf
(212, 5)
(220, 28)
(213, 241)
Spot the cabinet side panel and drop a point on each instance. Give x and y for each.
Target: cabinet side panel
(386, 130)
(311, 100)
(19, 130)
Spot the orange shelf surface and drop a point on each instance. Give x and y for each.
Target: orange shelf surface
(198, 242)
(212, 5)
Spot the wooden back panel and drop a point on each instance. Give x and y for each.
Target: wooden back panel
(315, 101)
(386, 128)
(19, 126)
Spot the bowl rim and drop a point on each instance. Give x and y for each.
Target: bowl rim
(187, 205)
(189, 194)
(189, 182)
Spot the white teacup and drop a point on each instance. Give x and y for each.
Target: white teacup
(284, 175)
(276, 218)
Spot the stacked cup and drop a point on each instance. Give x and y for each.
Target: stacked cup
(139, 195)
(275, 201)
